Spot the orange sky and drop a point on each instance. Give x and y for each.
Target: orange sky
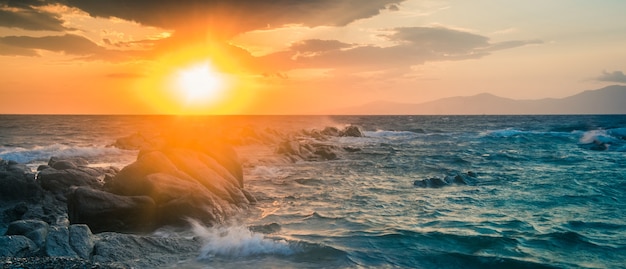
(298, 57)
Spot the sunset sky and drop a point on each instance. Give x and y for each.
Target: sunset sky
(298, 57)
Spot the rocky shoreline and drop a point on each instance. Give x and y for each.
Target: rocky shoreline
(68, 214)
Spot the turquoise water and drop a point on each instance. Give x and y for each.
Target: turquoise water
(546, 191)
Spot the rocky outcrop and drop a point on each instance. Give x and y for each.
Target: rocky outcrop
(311, 145)
(186, 177)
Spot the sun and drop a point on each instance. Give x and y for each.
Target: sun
(199, 84)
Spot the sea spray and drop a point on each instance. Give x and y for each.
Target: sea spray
(237, 241)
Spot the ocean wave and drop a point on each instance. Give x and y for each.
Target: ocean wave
(43, 153)
(238, 241)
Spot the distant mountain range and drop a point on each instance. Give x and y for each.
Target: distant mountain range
(608, 100)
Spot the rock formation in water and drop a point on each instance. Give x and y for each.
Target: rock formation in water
(68, 209)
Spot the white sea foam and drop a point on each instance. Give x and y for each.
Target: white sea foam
(43, 153)
(237, 241)
(389, 134)
(596, 136)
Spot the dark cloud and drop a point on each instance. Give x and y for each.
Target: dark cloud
(31, 19)
(414, 46)
(68, 44)
(615, 76)
(233, 16)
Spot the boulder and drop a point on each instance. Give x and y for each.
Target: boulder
(352, 131)
(35, 230)
(81, 240)
(63, 164)
(103, 211)
(136, 251)
(16, 246)
(15, 185)
(61, 180)
(71, 161)
(58, 243)
(176, 200)
(15, 212)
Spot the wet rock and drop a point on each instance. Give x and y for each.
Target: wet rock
(352, 131)
(468, 178)
(103, 211)
(142, 251)
(35, 230)
(81, 240)
(58, 243)
(63, 164)
(17, 185)
(70, 161)
(61, 180)
(16, 246)
(15, 212)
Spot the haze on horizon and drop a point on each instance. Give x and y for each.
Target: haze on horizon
(298, 57)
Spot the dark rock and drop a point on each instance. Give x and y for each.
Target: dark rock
(81, 240)
(58, 243)
(43, 167)
(326, 153)
(35, 230)
(138, 141)
(16, 246)
(331, 131)
(74, 161)
(15, 212)
(351, 149)
(61, 180)
(15, 185)
(134, 251)
(103, 211)
(352, 131)
(458, 179)
(433, 182)
(63, 164)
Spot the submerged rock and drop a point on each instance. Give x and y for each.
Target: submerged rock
(459, 179)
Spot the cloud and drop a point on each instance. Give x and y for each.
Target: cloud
(318, 45)
(413, 46)
(234, 16)
(615, 76)
(30, 19)
(68, 44)
(439, 39)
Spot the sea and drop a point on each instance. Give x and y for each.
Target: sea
(545, 191)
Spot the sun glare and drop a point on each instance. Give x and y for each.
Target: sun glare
(199, 84)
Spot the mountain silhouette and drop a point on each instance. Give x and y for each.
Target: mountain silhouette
(608, 100)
